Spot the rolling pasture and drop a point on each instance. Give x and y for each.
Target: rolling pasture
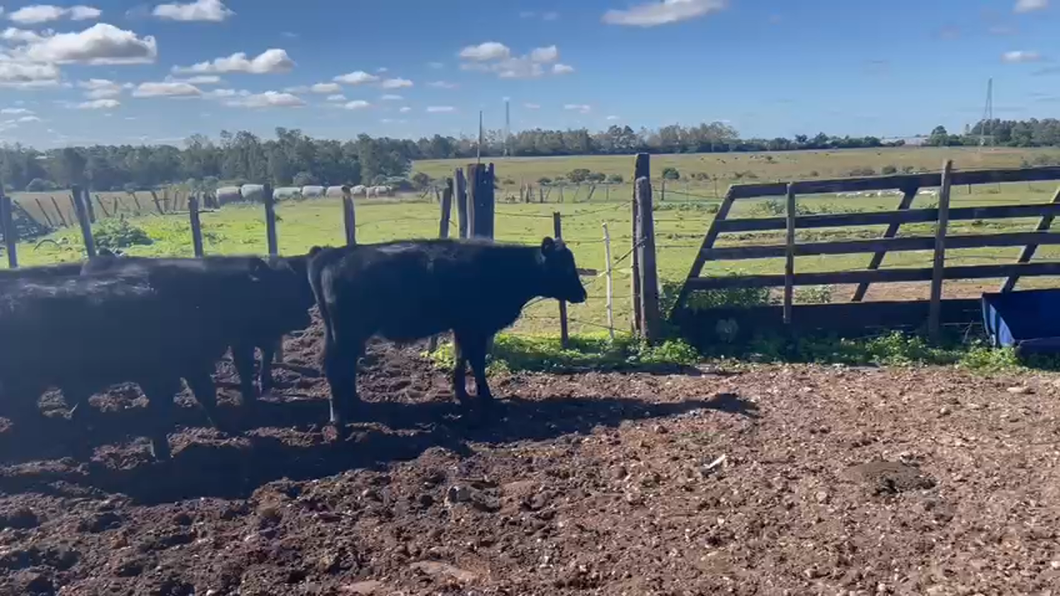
(682, 216)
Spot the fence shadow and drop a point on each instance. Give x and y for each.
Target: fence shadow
(392, 432)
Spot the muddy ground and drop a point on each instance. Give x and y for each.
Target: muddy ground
(762, 480)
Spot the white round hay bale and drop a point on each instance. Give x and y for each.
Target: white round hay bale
(228, 194)
(287, 192)
(312, 191)
(334, 191)
(359, 191)
(253, 192)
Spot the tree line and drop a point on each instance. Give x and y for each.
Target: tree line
(294, 159)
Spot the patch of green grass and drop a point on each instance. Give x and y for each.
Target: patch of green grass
(595, 351)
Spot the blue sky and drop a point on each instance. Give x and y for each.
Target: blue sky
(120, 71)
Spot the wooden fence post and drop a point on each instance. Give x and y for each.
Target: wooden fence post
(102, 207)
(59, 211)
(44, 212)
(939, 265)
(461, 202)
(158, 204)
(641, 169)
(789, 256)
(78, 197)
(349, 217)
(270, 219)
(480, 200)
(649, 275)
(7, 224)
(88, 206)
(564, 335)
(196, 225)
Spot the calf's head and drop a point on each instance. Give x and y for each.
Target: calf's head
(560, 273)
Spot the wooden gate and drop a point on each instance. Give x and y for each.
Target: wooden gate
(858, 314)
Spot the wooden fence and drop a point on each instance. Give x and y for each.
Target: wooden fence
(857, 314)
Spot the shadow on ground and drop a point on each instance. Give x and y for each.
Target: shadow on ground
(286, 441)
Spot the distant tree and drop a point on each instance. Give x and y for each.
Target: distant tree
(615, 179)
(303, 179)
(544, 181)
(888, 170)
(37, 185)
(579, 175)
(671, 173)
(420, 181)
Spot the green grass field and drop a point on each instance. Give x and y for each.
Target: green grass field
(680, 224)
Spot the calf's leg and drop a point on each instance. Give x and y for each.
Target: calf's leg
(205, 393)
(160, 393)
(243, 359)
(473, 347)
(459, 371)
(340, 367)
(268, 354)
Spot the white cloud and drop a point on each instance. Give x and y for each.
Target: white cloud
(440, 109)
(15, 111)
(561, 69)
(532, 106)
(198, 80)
(270, 61)
(28, 75)
(99, 44)
(405, 109)
(442, 85)
(357, 104)
(1021, 56)
(393, 121)
(213, 11)
(391, 97)
(652, 14)
(578, 107)
(382, 69)
(1030, 5)
(613, 118)
(225, 93)
(20, 35)
(357, 77)
(269, 99)
(100, 88)
(324, 88)
(25, 119)
(490, 50)
(46, 13)
(99, 104)
(167, 89)
(486, 58)
(549, 54)
(396, 84)
(337, 97)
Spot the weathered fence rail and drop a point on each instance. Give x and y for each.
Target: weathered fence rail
(933, 312)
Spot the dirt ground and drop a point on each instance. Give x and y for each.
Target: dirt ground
(762, 480)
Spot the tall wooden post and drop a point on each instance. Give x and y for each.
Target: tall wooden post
(461, 202)
(641, 169)
(939, 264)
(78, 198)
(789, 256)
(88, 206)
(564, 337)
(480, 200)
(7, 224)
(443, 232)
(349, 217)
(649, 275)
(196, 226)
(270, 219)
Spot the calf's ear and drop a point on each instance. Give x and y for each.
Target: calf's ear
(548, 245)
(313, 251)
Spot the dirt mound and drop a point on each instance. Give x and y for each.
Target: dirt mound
(770, 480)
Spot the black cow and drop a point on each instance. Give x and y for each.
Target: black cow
(42, 273)
(262, 319)
(84, 334)
(404, 291)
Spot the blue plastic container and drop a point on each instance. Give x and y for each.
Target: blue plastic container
(1026, 320)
